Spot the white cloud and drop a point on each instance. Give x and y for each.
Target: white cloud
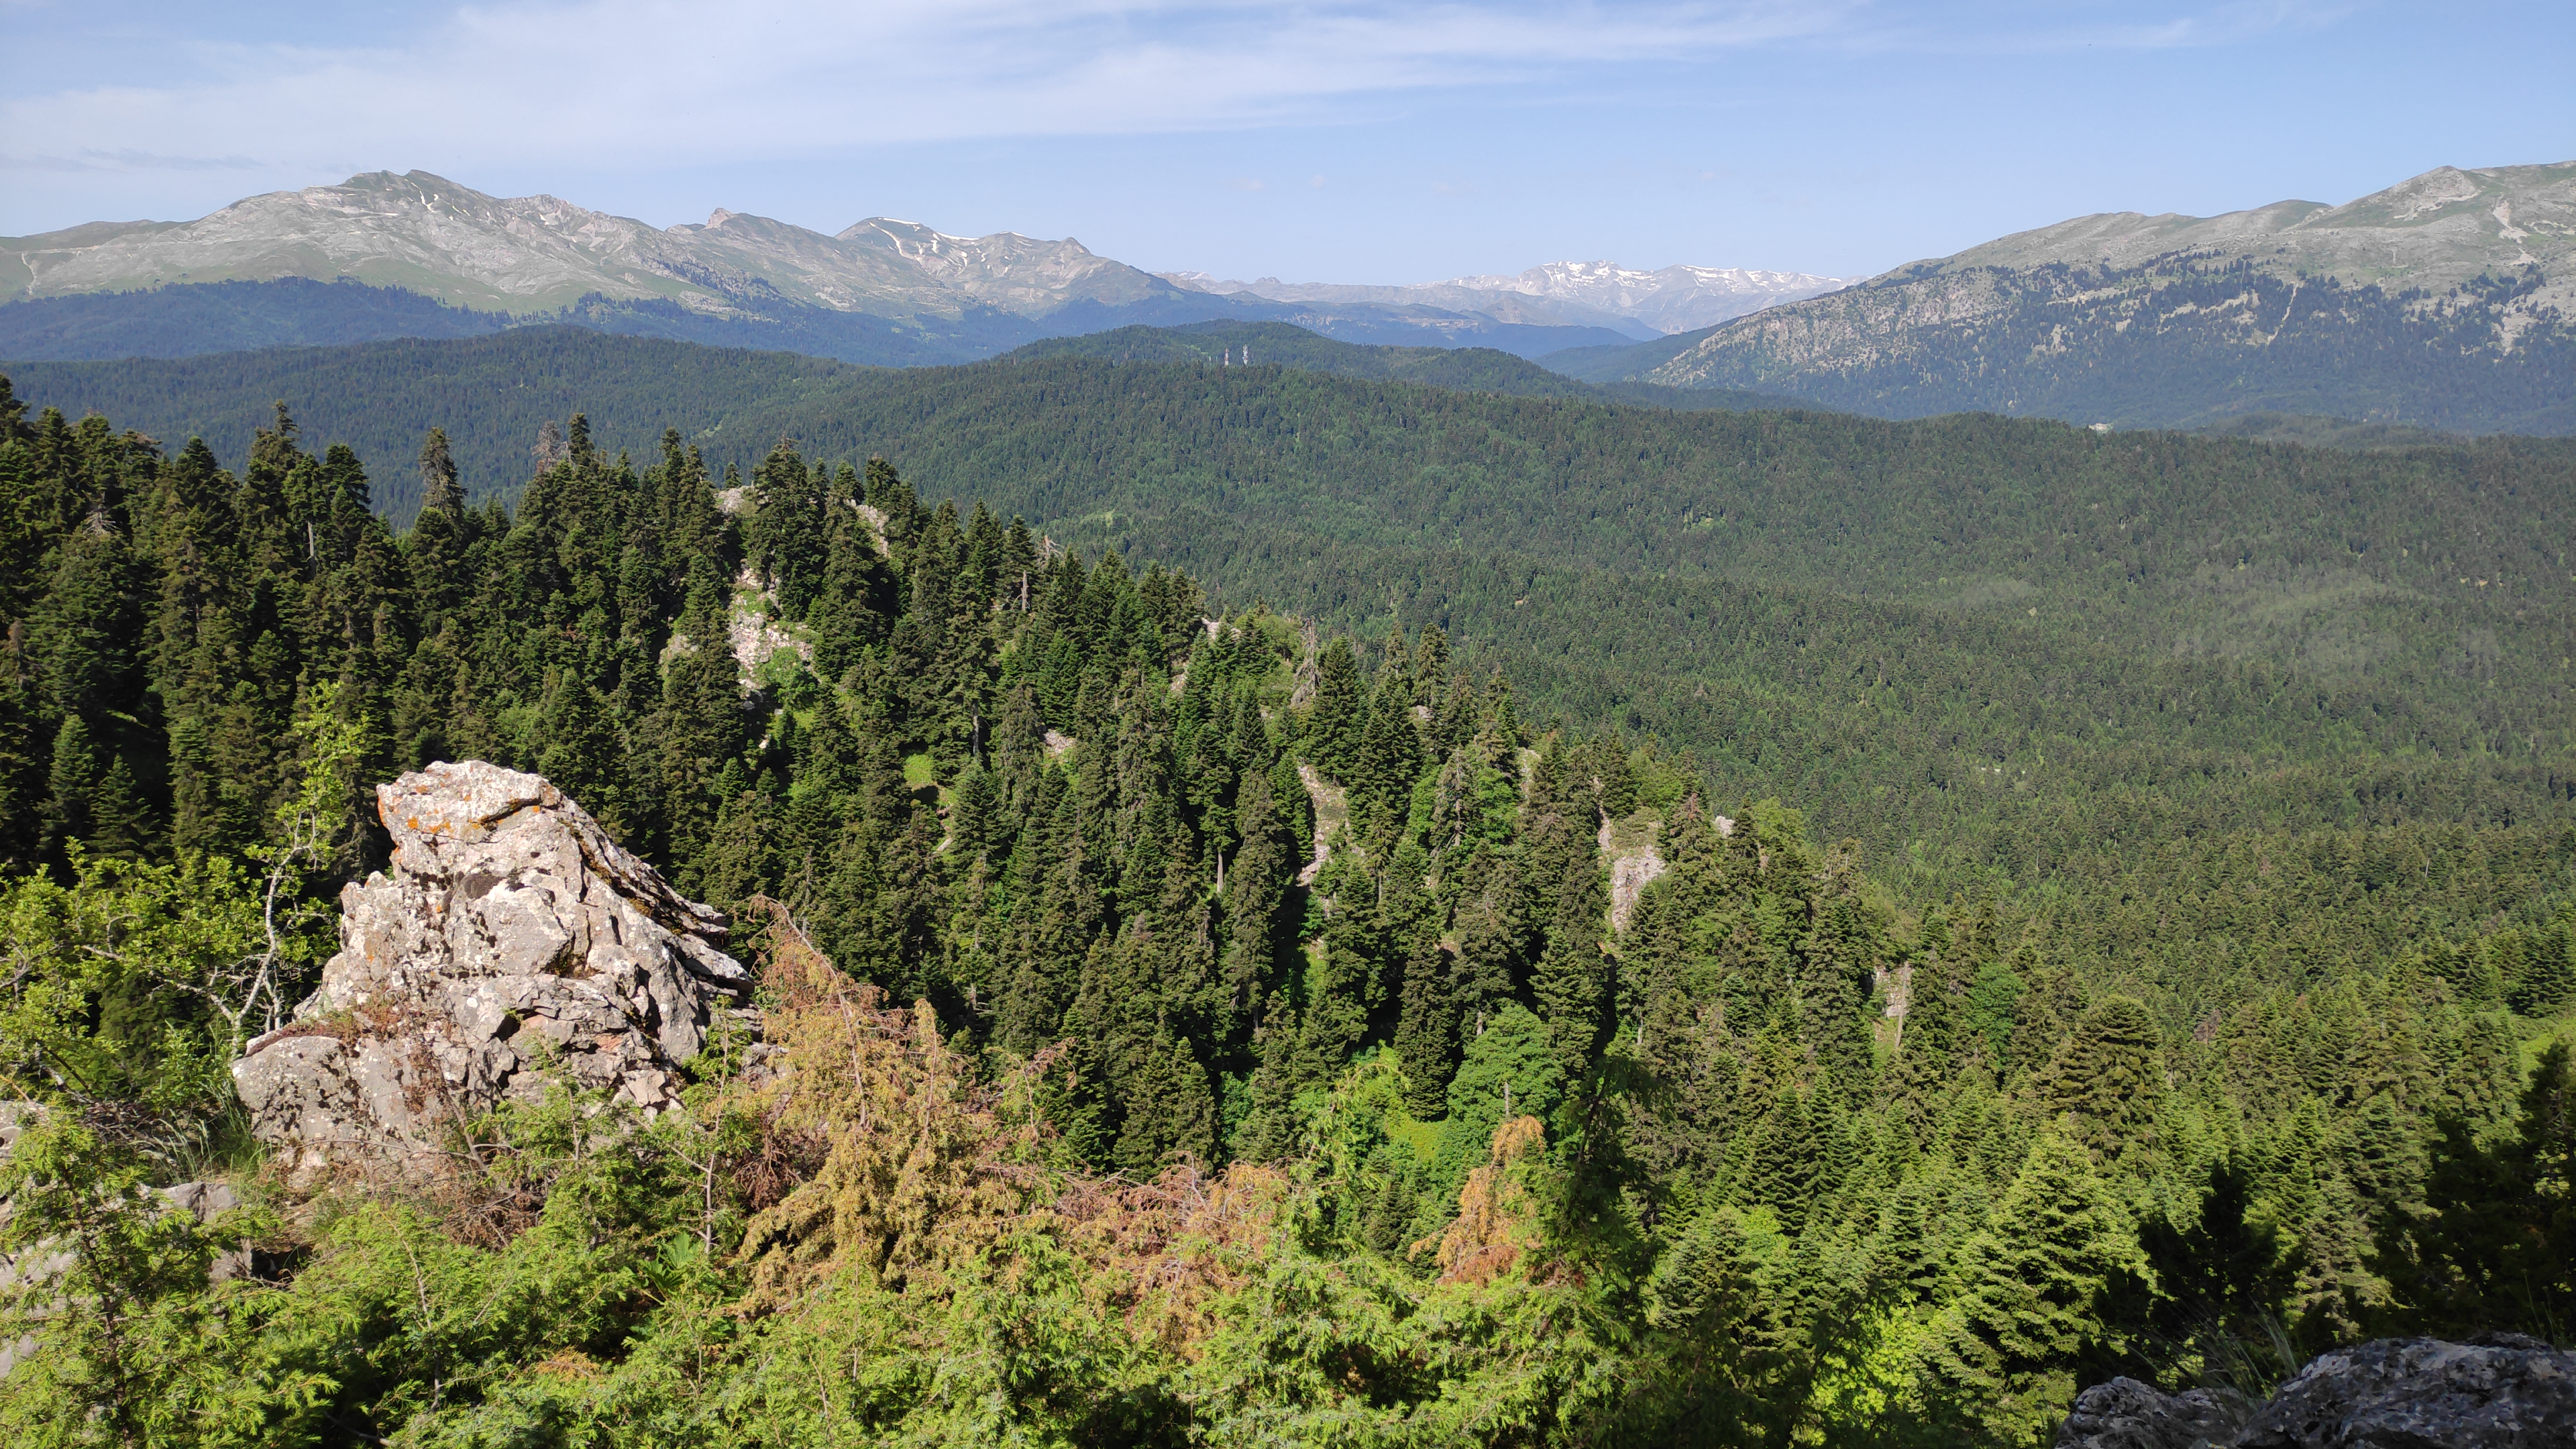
(661, 83)
(185, 119)
(92, 160)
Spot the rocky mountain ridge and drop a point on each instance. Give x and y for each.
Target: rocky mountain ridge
(437, 258)
(429, 235)
(2434, 231)
(1668, 299)
(2442, 301)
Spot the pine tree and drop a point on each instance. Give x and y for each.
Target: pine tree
(1836, 963)
(582, 753)
(21, 779)
(2321, 1221)
(1786, 1171)
(85, 628)
(1170, 1110)
(1255, 886)
(787, 539)
(1269, 1130)
(121, 822)
(2220, 1276)
(1389, 754)
(1493, 942)
(68, 786)
(1335, 1013)
(438, 541)
(1431, 671)
(2547, 980)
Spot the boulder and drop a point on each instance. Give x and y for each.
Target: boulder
(2500, 1391)
(509, 945)
(2126, 1414)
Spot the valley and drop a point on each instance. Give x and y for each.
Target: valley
(731, 835)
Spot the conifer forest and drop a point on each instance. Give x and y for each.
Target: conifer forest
(1285, 993)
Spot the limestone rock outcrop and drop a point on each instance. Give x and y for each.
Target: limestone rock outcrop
(510, 944)
(2499, 1391)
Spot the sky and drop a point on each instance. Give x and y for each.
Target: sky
(1345, 142)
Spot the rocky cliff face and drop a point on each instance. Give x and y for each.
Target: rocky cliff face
(2502, 1391)
(511, 944)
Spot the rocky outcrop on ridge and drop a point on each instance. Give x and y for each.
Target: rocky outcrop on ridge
(2498, 1391)
(511, 944)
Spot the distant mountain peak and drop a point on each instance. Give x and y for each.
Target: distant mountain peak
(1579, 293)
(1680, 298)
(2436, 229)
(2441, 300)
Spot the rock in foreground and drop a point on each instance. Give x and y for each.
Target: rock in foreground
(512, 943)
(2501, 1391)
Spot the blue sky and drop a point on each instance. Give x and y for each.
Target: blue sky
(1318, 141)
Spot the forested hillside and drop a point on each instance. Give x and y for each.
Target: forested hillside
(1317, 1042)
(1971, 642)
(492, 394)
(1463, 369)
(229, 316)
(1984, 648)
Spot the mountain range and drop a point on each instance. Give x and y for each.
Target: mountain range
(1600, 294)
(2441, 301)
(461, 262)
(522, 255)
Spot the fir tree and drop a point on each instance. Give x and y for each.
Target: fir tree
(1337, 720)
(68, 786)
(2108, 1077)
(2495, 1244)
(2006, 1353)
(1572, 978)
(2547, 979)
(1426, 1032)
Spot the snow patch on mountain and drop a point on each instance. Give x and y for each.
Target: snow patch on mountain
(1596, 294)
